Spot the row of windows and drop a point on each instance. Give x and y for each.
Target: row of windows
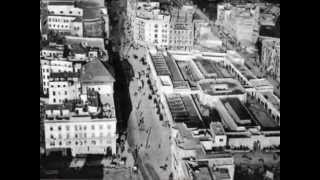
(54, 100)
(163, 31)
(44, 70)
(79, 127)
(70, 12)
(54, 93)
(62, 65)
(58, 87)
(58, 20)
(78, 143)
(45, 77)
(80, 136)
(156, 26)
(52, 53)
(58, 26)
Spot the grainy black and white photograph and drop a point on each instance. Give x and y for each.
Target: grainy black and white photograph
(160, 89)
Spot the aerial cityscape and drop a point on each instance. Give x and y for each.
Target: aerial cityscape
(160, 89)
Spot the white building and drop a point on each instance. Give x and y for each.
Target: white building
(181, 28)
(52, 51)
(64, 9)
(219, 135)
(86, 124)
(65, 24)
(48, 66)
(63, 87)
(240, 21)
(150, 25)
(65, 18)
(81, 134)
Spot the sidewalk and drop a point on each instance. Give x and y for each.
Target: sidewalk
(154, 139)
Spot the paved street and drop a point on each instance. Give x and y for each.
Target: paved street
(154, 151)
(154, 139)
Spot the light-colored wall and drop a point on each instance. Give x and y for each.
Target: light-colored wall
(65, 10)
(107, 139)
(103, 89)
(264, 141)
(61, 90)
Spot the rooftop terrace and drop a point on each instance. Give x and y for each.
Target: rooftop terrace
(183, 110)
(176, 76)
(221, 87)
(212, 69)
(242, 115)
(263, 118)
(189, 73)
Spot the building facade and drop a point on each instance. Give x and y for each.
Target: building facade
(150, 25)
(63, 87)
(65, 18)
(82, 135)
(240, 22)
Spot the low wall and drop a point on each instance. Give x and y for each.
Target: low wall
(264, 141)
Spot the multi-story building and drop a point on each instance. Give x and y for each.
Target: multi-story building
(63, 87)
(240, 22)
(48, 66)
(151, 25)
(64, 8)
(63, 17)
(52, 51)
(181, 28)
(79, 130)
(171, 28)
(80, 115)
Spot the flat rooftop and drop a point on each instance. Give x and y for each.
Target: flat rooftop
(173, 68)
(176, 76)
(221, 87)
(243, 116)
(189, 73)
(211, 69)
(67, 113)
(263, 118)
(183, 110)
